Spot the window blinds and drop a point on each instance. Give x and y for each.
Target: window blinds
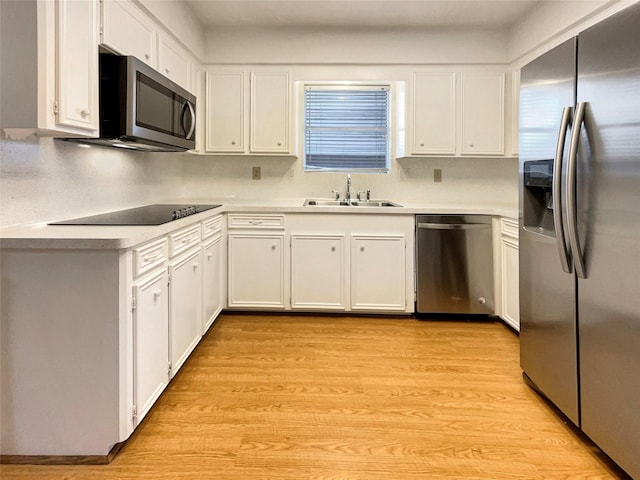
(346, 128)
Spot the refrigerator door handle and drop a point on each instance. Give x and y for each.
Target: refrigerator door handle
(556, 191)
(572, 223)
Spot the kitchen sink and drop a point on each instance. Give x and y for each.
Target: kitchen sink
(343, 203)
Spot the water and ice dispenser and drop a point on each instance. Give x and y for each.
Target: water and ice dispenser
(537, 197)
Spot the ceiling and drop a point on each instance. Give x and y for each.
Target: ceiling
(368, 14)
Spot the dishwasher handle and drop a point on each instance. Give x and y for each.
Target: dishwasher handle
(452, 226)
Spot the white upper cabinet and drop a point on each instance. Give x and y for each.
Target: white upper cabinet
(457, 113)
(270, 112)
(128, 31)
(224, 98)
(174, 62)
(482, 106)
(248, 112)
(77, 64)
(433, 114)
(51, 49)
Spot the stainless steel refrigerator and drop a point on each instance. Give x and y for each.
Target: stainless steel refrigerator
(580, 232)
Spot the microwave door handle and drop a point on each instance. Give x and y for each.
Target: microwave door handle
(557, 193)
(192, 115)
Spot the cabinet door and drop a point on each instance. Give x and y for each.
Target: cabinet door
(185, 307)
(256, 270)
(151, 341)
(482, 112)
(174, 62)
(212, 282)
(77, 64)
(318, 275)
(225, 112)
(378, 272)
(434, 109)
(270, 113)
(510, 283)
(128, 31)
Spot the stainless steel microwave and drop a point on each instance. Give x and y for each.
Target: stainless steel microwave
(141, 109)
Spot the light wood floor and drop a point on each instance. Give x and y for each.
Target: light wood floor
(305, 397)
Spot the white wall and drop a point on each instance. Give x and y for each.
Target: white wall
(42, 179)
(354, 46)
(553, 22)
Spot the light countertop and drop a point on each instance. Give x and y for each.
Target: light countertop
(43, 236)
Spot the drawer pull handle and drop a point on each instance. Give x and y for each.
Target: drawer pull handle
(187, 240)
(151, 257)
(255, 222)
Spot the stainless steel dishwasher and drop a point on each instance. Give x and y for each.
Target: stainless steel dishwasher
(454, 264)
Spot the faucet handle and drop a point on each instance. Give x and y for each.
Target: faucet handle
(359, 195)
(337, 194)
(368, 192)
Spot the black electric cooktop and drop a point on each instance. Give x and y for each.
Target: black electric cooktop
(148, 215)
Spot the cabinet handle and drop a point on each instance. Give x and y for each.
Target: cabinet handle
(273, 246)
(422, 144)
(195, 265)
(167, 71)
(156, 294)
(187, 240)
(84, 113)
(362, 248)
(279, 144)
(147, 56)
(255, 222)
(209, 255)
(233, 142)
(471, 145)
(333, 248)
(149, 258)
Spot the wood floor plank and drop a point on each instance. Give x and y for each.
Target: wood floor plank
(322, 398)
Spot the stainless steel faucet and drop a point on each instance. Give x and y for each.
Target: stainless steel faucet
(348, 194)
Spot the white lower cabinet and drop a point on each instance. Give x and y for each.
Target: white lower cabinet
(318, 272)
(185, 306)
(256, 270)
(344, 262)
(509, 278)
(212, 296)
(150, 341)
(378, 274)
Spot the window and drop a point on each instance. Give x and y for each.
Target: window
(346, 128)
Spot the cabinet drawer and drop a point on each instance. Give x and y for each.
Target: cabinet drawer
(149, 256)
(211, 227)
(182, 240)
(509, 227)
(256, 221)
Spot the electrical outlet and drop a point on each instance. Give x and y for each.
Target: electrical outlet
(404, 174)
(256, 173)
(437, 175)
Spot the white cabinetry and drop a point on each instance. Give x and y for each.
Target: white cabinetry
(433, 110)
(269, 112)
(150, 341)
(243, 105)
(345, 262)
(212, 282)
(175, 62)
(378, 273)
(54, 82)
(256, 261)
(457, 113)
(128, 31)
(185, 294)
(225, 116)
(510, 294)
(482, 113)
(318, 272)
